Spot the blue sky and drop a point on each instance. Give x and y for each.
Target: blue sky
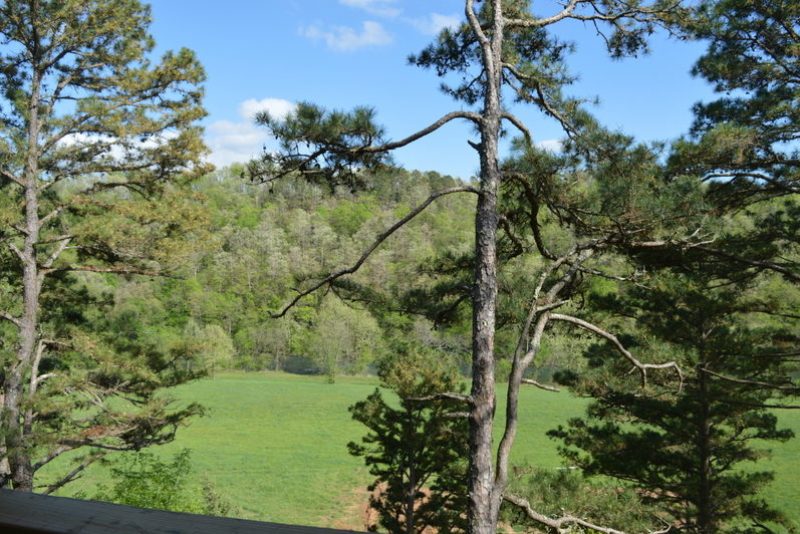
(267, 54)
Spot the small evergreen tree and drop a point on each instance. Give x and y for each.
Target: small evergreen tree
(686, 450)
(417, 450)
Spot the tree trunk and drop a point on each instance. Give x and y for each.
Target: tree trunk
(705, 513)
(484, 504)
(16, 439)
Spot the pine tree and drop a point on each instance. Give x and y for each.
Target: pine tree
(416, 450)
(503, 48)
(686, 451)
(94, 139)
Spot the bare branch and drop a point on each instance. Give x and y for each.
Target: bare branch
(380, 239)
(456, 415)
(564, 13)
(640, 14)
(475, 24)
(75, 473)
(10, 318)
(50, 216)
(641, 367)
(530, 343)
(513, 119)
(562, 524)
(11, 177)
(539, 385)
(17, 251)
(386, 147)
(63, 242)
(442, 396)
(112, 270)
(52, 455)
(757, 383)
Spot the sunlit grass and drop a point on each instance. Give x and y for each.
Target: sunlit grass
(276, 445)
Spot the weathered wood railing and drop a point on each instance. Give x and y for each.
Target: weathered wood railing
(31, 513)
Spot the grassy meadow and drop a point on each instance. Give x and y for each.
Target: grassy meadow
(275, 444)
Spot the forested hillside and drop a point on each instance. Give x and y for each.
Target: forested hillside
(262, 241)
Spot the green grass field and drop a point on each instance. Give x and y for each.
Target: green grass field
(275, 444)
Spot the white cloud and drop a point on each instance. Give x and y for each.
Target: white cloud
(435, 23)
(240, 141)
(277, 107)
(381, 8)
(346, 39)
(551, 145)
(117, 148)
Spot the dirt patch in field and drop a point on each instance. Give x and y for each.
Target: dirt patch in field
(354, 511)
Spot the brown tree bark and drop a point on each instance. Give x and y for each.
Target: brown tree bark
(20, 463)
(484, 506)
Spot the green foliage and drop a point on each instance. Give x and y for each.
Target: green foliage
(344, 339)
(416, 451)
(97, 142)
(309, 128)
(145, 481)
(686, 450)
(744, 141)
(210, 346)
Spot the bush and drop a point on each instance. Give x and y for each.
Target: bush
(143, 480)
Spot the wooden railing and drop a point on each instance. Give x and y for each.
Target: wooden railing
(32, 513)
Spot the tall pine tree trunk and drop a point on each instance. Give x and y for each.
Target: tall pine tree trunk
(484, 501)
(705, 513)
(16, 440)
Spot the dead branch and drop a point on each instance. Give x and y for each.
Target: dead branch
(10, 318)
(75, 473)
(641, 367)
(756, 383)
(456, 415)
(442, 396)
(10, 176)
(539, 385)
(110, 270)
(513, 119)
(367, 253)
(52, 455)
(17, 251)
(63, 243)
(560, 524)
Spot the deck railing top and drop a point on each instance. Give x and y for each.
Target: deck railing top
(32, 513)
